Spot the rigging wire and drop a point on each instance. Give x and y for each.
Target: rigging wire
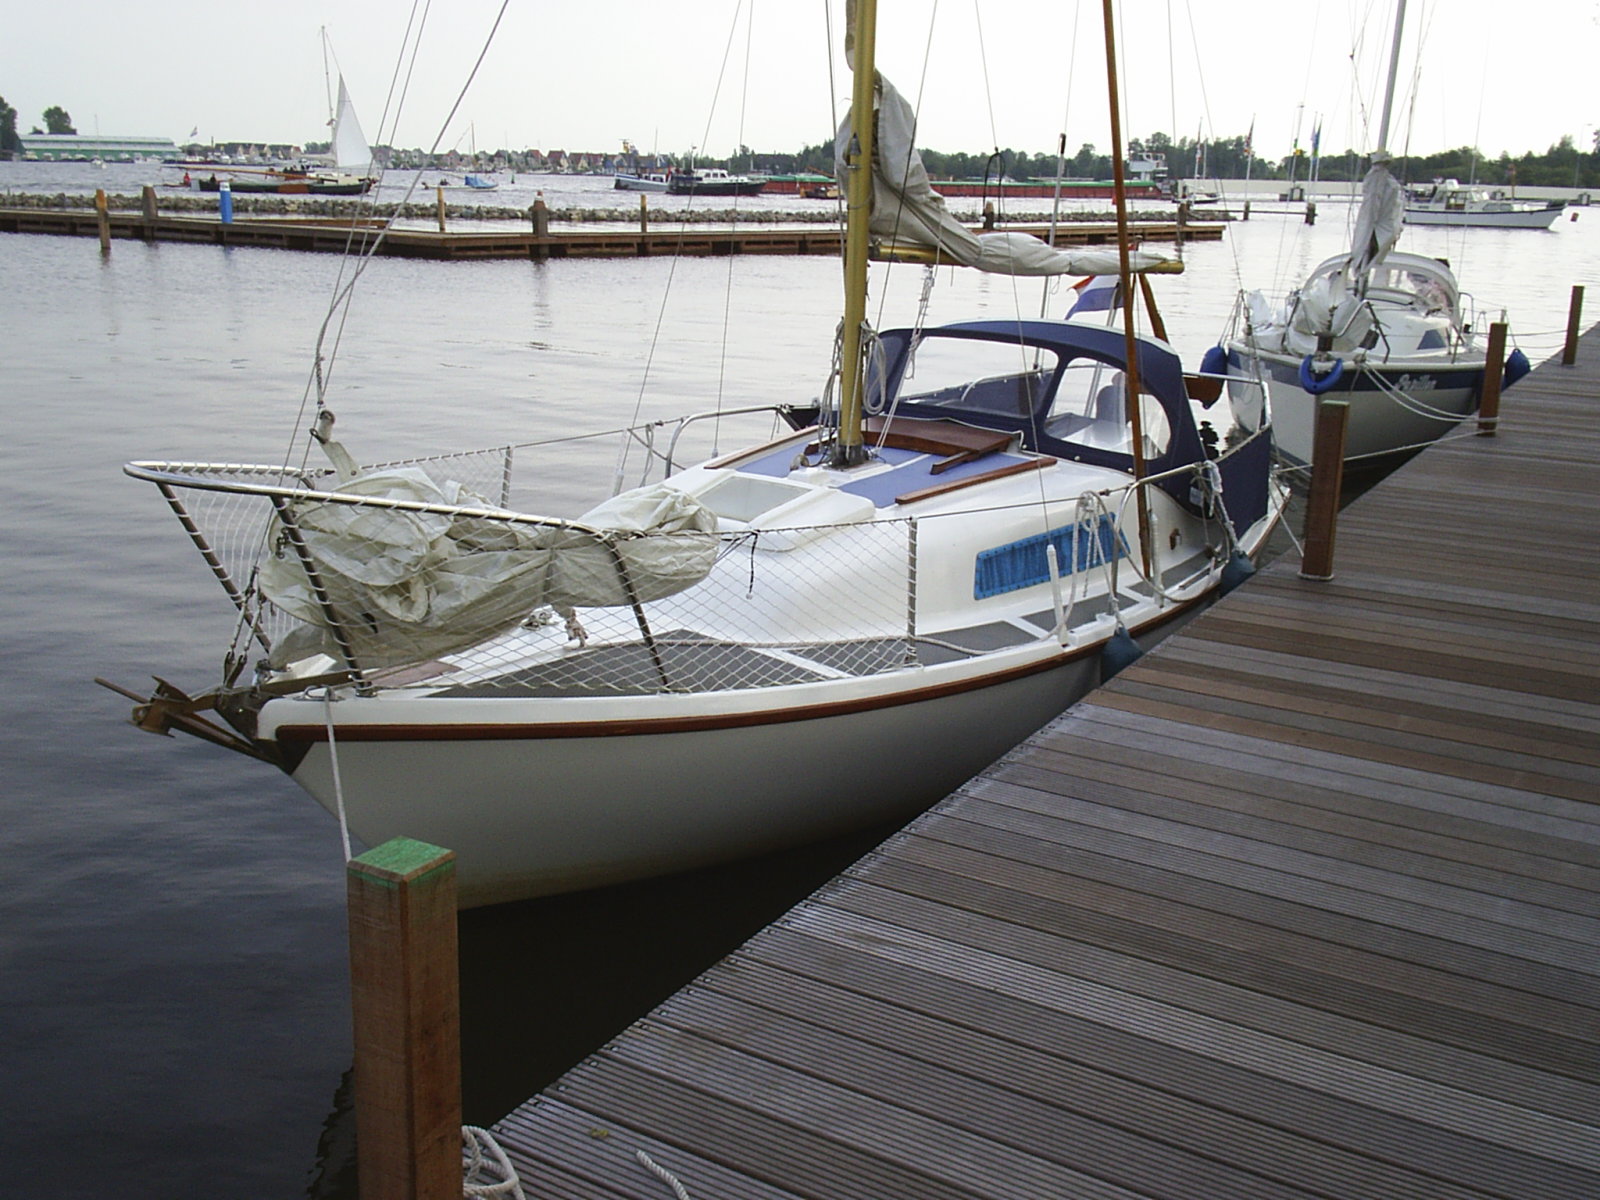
(1047, 284)
(672, 266)
(994, 137)
(348, 276)
(727, 296)
(344, 288)
(905, 168)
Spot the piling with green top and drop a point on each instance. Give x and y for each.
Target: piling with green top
(405, 1000)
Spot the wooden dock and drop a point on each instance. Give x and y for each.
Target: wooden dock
(330, 235)
(1306, 903)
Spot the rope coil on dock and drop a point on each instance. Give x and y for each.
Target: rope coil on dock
(486, 1171)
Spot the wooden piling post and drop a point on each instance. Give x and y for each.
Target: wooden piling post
(644, 213)
(406, 1004)
(540, 215)
(103, 219)
(1493, 366)
(1247, 210)
(439, 205)
(1311, 212)
(1569, 353)
(147, 206)
(1322, 504)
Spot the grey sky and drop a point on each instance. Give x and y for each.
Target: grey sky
(584, 76)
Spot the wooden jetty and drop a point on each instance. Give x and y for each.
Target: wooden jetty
(1306, 903)
(335, 236)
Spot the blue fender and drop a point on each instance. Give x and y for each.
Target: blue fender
(1214, 361)
(1238, 569)
(1517, 365)
(1119, 652)
(1317, 384)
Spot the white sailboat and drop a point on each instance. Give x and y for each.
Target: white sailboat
(349, 147)
(1388, 332)
(784, 643)
(347, 168)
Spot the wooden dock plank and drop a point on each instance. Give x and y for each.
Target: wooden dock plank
(1304, 902)
(1049, 1065)
(608, 1165)
(1229, 990)
(894, 996)
(1549, 1037)
(1354, 840)
(1029, 1113)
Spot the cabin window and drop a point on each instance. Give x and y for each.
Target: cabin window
(970, 375)
(1090, 408)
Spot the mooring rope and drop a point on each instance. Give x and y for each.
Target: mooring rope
(661, 1173)
(333, 763)
(475, 1162)
(1405, 399)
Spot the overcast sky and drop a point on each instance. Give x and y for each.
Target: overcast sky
(582, 75)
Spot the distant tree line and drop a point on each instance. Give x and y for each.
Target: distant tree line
(9, 142)
(56, 120)
(1562, 165)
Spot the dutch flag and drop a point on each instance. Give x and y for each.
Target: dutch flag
(1097, 293)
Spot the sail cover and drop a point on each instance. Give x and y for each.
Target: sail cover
(906, 209)
(409, 586)
(350, 149)
(1378, 222)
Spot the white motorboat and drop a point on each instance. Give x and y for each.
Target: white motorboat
(1448, 202)
(645, 181)
(800, 638)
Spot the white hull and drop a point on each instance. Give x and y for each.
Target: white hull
(1418, 403)
(1531, 218)
(640, 183)
(541, 814)
(804, 648)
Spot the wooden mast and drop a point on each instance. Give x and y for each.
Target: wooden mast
(861, 51)
(1131, 373)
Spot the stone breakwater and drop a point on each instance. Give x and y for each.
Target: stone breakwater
(346, 207)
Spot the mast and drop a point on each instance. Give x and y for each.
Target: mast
(1382, 153)
(327, 80)
(861, 51)
(1125, 277)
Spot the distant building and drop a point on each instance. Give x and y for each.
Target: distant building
(82, 147)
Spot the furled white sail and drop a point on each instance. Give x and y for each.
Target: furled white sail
(412, 585)
(906, 211)
(350, 149)
(1379, 220)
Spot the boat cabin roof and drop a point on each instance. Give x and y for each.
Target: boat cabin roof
(1413, 279)
(1057, 385)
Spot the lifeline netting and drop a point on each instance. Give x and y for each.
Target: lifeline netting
(448, 591)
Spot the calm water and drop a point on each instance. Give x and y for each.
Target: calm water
(172, 925)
